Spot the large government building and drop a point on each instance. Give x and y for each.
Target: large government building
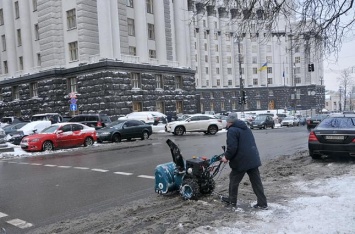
(173, 56)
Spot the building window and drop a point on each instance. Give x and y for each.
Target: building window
(242, 71)
(1, 17)
(218, 84)
(20, 63)
(254, 60)
(268, 59)
(36, 32)
(258, 106)
(255, 81)
(19, 39)
(1, 97)
(3, 40)
(159, 81)
(71, 19)
(206, 69)
(178, 82)
(73, 51)
(39, 62)
(179, 107)
(17, 10)
(205, 46)
(34, 89)
(269, 70)
(269, 81)
(130, 23)
(297, 80)
(71, 85)
(211, 106)
(229, 82)
(217, 48)
(229, 59)
(297, 59)
(150, 6)
(206, 58)
(217, 70)
(217, 59)
(159, 106)
(229, 71)
(207, 83)
(222, 106)
(137, 106)
(254, 49)
(216, 36)
(255, 70)
(152, 54)
(151, 32)
(132, 50)
(6, 68)
(129, 3)
(297, 70)
(34, 4)
(204, 35)
(15, 93)
(136, 80)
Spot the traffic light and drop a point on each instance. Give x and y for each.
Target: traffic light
(310, 67)
(243, 98)
(240, 100)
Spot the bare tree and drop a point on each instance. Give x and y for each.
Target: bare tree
(332, 21)
(346, 82)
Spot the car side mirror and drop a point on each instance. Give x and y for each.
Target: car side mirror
(188, 120)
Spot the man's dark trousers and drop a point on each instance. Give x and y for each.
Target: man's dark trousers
(236, 177)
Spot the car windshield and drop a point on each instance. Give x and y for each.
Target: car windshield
(260, 117)
(50, 129)
(288, 118)
(337, 123)
(116, 124)
(5, 120)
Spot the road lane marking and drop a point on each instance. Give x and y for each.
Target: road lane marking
(146, 176)
(99, 170)
(123, 173)
(24, 163)
(36, 164)
(12, 162)
(64, 166)
(50, 165)
(82, 168)
(2, 215)
(19, 223)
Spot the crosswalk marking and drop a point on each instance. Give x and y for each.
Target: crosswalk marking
(99, 170)
(36, 164)
(64, 166)
(19, 223)
(123, 173)
(50, 165)
(146, 176)
(82, 168)
(2, 215)
(24, 163)
(12, 162)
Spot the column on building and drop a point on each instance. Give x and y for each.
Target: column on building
(115, 29)
(187, 34)
(200, 10)
(10, 35)
(105, 29)
(248, 71)
(211, 19)
(223, 23)
(26, 29)
(277, 60)
(235, 52)
(262, 59)
(192, 27)
(160, 36)
(141, 30)
(180, 32)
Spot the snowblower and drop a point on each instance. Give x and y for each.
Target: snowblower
(192, 178)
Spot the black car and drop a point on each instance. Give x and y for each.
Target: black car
(92, 120)
(124, 129)
(262, 122)
(335, 135)
(313, 121)
(14, 127)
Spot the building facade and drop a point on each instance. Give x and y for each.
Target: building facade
(119, 56)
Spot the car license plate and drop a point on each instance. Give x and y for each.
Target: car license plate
(334, 137)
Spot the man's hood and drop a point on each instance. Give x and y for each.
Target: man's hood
(239, 124)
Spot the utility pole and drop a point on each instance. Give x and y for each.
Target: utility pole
(241, 85)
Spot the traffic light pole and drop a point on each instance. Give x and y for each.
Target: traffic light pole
(241, 85)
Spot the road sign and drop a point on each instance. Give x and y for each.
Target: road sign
(73, 107)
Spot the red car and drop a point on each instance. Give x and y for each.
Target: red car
(60, 135)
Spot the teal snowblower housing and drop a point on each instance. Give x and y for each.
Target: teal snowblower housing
(191, 178)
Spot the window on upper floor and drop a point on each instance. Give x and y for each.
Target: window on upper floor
(255, 81)
(152, 54)
(269, 70)
(159, 81)
(17, 10)
(34, 4)
(269, 81)
(132, 50)
(72, 85)
(206, 69)
(151, 32)
(71, 19)
(217, 70)
(19, 38)
(229, 59)
(129, 3)
(34, 89)
(36, 32)
(149, 6)
(255, 70)
(73, 51)
(217, 59)
(178, 82)
(6, 67)
(39, 61)
(254, 59)
(297, 59)
(136, 80)
(269, 59)
(20, 63)
(130, 24)
(15, 93)
(206, 58)
(1, 17)
(229, 71)
(137, 106)
(1, 96)
(3, 41)
(229, 82)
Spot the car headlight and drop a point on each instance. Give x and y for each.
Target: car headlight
(34, 140)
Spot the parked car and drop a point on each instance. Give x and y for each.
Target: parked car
(60, 135)
(53, 117)
(96, 121)
(262, 122)
(8, 120)
(2, 136)
(334, 135)
(223, 118)
(14, 127)
(124, 129)
(145, 117)
(158, 116)
(207, 124)
(313, 121)
(281, 117)
(28, 129)
(290, 121)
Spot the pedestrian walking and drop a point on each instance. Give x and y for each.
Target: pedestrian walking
(243, 156)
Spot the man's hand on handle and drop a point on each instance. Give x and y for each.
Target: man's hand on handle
(223, 159)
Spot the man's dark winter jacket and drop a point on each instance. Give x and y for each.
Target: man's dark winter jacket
(241, 152)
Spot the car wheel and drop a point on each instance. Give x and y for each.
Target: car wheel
(212, 130)
(179, 130)
(116, 138)
(47, 146)
(88, 141)
(145, 135)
